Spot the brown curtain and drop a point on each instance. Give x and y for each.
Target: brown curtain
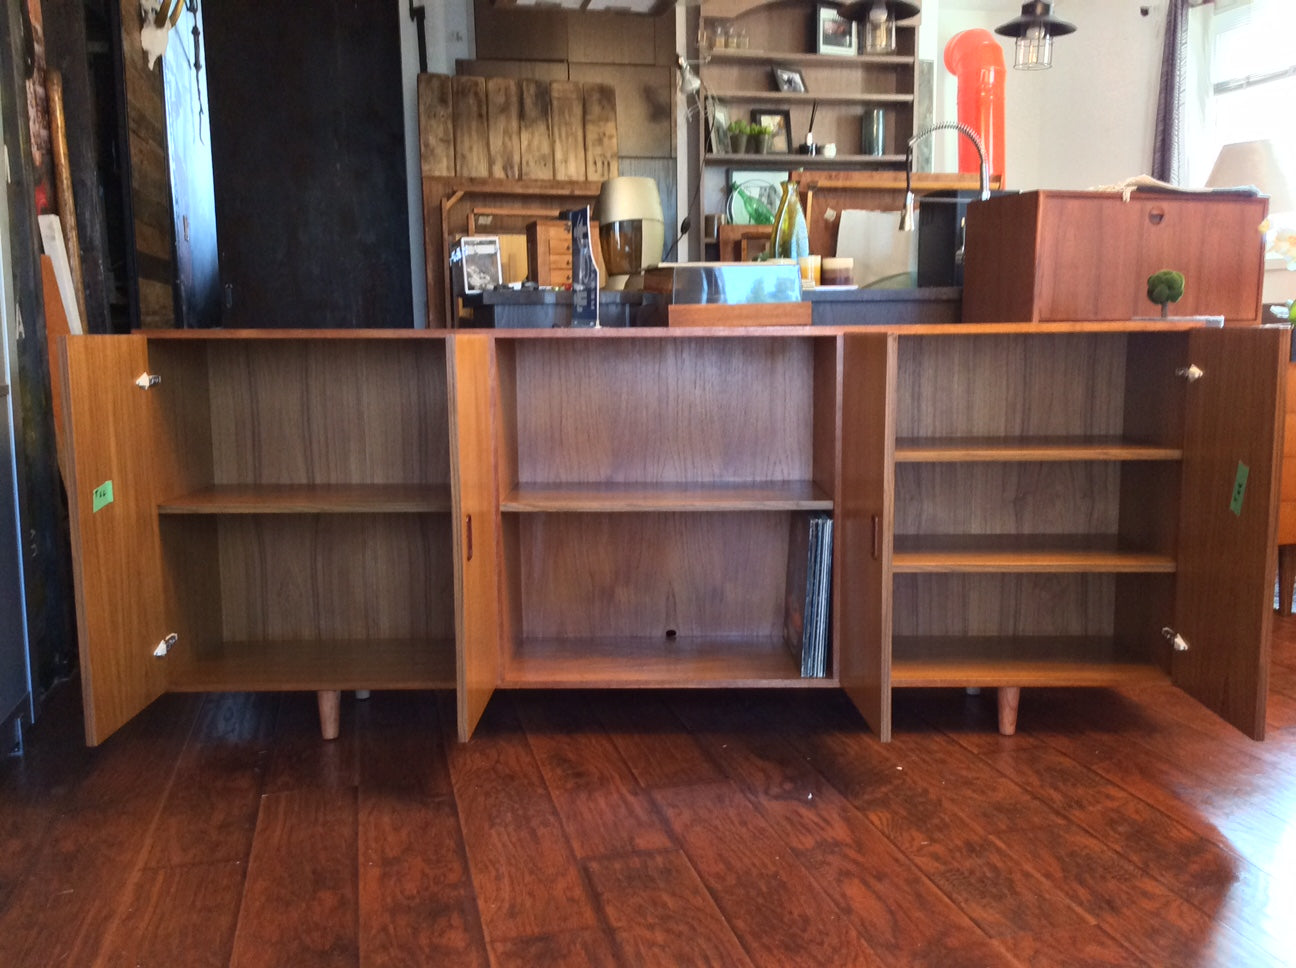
(1167, 150)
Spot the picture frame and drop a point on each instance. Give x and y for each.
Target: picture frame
(835, 34)
(478, 260)
(789, 80)
(779, 121)
(718, 126)
(761, 184)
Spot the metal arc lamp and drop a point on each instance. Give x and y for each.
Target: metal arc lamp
(1034, 29)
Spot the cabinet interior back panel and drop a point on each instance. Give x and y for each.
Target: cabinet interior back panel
(662, 410)
(1004, 605)
(1065, 497)
(638, 575)
(959, 386)
(315, 412)
(367, 576)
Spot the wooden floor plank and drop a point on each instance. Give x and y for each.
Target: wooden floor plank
(779, 913)
(602, 806)
(587, 948)
(527, 880)
(660, 913)
(655, 744)
(301, 901)
(299, 759)
(1090, 947)
(179, 916)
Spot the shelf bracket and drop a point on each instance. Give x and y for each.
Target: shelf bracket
(165, 645)
(1178, 641)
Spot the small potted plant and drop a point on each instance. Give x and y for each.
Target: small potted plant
(738, 137)
(1165, 287)
(758, 137)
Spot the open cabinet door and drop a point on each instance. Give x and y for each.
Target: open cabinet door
(110, 433)
(1227, 553)
(476, 529)
(865, 514)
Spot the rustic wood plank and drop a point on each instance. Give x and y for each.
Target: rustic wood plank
(655, 744)
(603, 808)
(588, 949)
(503, 120)
(1090, 947)
(535, 135)
(659, 911)
(300, 902)
(436, 125)
(600, 131)
(299, 760)
(472, 139)
(527, 882)
(567, 124)
(756, 883)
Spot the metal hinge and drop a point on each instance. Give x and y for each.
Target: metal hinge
(1178, 641)
(165, 645)
(1192, 373)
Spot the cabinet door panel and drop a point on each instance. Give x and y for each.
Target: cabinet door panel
(1225, 583)
(112, 428)
(477, 525)
(864, 525)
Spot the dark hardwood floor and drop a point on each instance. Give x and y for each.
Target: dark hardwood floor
(690, 828)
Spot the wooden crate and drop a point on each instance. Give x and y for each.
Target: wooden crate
(1060, 256)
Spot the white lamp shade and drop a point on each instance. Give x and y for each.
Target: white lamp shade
(1256, 163)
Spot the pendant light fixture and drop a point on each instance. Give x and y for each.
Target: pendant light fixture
(877, 20)
(1035, 30)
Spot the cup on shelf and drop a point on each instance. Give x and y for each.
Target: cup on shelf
(837, 271)
(811, 270)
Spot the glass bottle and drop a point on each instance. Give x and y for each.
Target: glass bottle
(758, 212)
(791, 239)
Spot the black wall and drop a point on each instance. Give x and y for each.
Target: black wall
(308, 152)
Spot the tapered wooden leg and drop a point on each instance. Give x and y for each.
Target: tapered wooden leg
(1009, 697)
(329, 712)
(1286, 575)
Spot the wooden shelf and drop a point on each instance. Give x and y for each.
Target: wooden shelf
(311, 665)
(721, 55)
(756, 496)
(806, 97)
(959, 661)
(1001, 554)
(1013, 449)
(678, 663)
(790, 161)
(310, 499)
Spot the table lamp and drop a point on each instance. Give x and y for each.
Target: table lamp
(1259, 164)
(632, 228)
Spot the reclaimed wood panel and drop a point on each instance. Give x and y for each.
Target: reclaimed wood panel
(600, 131)
(503, 120)
(535, 136)
(567, 126)
(472, 128)
(436, 125)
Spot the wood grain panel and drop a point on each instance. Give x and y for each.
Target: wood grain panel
(436, 125)
(999, 386)
(472, 132)
(736, 410)
(600, 131)
(589, 948)
(527, 882)
(114, 434)
(660, 912)
(502, 111)
(336, 577)
(603, 809)
(644, 108)
(1228, 611)
(642, 575)
(301, 895)
(865, 530)
(988, 604)
(319, 412)
(567, 127)
(535, 136)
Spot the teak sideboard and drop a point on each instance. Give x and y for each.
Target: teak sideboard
(1014, 506)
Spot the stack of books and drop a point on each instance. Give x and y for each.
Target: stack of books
(809, 591)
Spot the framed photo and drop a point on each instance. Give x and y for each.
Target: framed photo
(789, 80)
(836, 34)
(479, 262)
(717, 126)
(762, 187)
(779, 121)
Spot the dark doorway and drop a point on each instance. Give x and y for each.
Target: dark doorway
(308, 153)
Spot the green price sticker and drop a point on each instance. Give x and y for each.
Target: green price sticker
(1239, 488)
(102, 496)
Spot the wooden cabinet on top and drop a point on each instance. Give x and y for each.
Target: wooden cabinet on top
(1013, 506)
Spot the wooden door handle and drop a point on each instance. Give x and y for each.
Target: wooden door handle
(468, 535)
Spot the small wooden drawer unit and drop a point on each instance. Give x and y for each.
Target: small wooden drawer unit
(549, 252)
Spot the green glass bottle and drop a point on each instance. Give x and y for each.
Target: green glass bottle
(791, 238)
(758, 212)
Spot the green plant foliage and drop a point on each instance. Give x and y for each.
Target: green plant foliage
(1164, 287)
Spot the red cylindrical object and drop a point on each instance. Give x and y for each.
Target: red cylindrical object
(977, 60)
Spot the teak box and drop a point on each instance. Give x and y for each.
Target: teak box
(1049, 256)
